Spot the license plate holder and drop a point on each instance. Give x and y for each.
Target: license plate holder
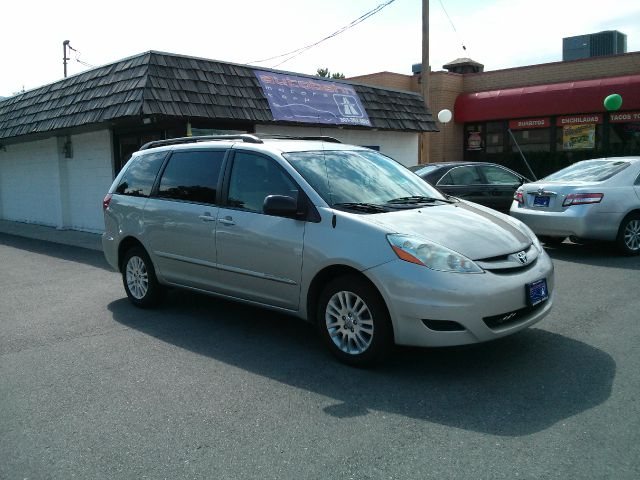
(537, 292)
(541, 201)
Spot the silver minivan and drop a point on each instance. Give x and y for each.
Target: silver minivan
(338, 235)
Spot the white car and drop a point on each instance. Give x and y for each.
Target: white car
(595, 199)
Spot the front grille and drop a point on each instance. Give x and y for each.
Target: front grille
(510, 318)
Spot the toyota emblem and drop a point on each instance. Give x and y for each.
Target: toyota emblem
(522, 257)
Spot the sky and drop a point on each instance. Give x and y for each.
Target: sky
(497, 33)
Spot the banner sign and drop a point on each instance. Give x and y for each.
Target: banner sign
(302, 99)
(527, 123)
(624, 117)
(575, 137)
(579, 119)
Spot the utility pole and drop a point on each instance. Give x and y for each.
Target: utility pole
(425, 51)
(65, 44)
(425, 139)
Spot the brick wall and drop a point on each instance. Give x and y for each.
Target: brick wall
(584, 69)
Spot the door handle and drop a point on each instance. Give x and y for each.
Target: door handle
(207, 217)
(226, 221)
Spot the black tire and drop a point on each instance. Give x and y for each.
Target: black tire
(551, 241)
(139, 278)
(628, 240)
(360, 333)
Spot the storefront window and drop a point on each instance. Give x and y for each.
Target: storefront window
(495, 137)
(533, 140)
(473, 137)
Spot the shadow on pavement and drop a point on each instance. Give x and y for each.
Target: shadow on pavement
(512, 387)
(598, 254)
(57, 250)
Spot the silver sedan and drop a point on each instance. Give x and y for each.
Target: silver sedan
(595, 199)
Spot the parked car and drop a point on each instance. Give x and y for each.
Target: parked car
(488, 184)
(595, 199)
(338, 235)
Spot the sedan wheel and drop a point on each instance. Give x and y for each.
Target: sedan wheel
(629, 235)
(354, 321)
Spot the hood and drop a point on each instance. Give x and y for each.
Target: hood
(472, 230)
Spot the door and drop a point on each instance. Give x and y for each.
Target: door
(259, 256)
(502, 184)
(464, 182)
(180, 218)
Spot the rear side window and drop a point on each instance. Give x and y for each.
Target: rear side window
(192, 176)
(498, 176)
(139, 177)
(461, 176)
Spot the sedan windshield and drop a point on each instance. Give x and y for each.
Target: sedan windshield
(363, 178)
(588, 171)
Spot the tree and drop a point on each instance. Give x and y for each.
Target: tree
(325, 73)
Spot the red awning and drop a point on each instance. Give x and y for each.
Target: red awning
(584, 96)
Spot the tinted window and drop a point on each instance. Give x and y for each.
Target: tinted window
(499, 176)
(138, 180)
(192, 176)
(461, 176)
(253, 178)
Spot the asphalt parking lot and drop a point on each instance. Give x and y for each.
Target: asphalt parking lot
(91, 387)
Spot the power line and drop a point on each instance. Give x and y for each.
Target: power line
(452, 25)
(294, 53)
(77, 59)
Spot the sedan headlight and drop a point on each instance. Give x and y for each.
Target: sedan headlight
(431, 255)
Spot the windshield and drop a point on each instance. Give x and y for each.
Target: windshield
(359, 177)
(588, 171)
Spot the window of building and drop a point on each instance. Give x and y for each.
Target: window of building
(192, 176)
(139, 178)
(625, 136)
(579, 137)
(532, 140)
(495, 137)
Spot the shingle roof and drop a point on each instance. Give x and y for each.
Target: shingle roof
(155, 83)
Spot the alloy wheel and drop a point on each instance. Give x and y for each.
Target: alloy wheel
(632, 235)
(349, 322)
(137, 277)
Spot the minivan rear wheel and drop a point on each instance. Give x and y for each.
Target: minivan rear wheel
(354, 322)
(628, 240)
(139, 278)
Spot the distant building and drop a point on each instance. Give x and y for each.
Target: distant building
(609, 42)
(555, 110)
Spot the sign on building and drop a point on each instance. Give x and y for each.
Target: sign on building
(301, 99)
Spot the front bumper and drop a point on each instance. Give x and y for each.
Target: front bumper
(417, 296)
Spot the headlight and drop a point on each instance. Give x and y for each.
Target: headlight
(431, 255)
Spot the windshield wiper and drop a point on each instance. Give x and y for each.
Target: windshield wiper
(364, 207)
(417, 199)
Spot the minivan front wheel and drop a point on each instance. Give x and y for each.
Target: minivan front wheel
(139, 278)
(354, 322)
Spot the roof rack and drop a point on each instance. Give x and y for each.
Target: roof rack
(245, 137)
(274, 136)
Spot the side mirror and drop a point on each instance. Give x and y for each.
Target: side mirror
(282, 206)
